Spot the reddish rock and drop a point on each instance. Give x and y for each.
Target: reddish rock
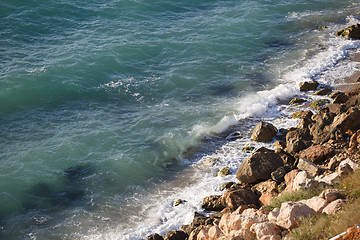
(215, 233)
(263, 132)
(230, 222)
(235, 197)
(203, 233)
(266, 190)
(259, 166)
(291, 214)
(265, 229)
(289, 179)
(317, 153)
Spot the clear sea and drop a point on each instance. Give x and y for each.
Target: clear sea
(110, 109)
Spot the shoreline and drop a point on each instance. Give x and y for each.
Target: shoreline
(347, 85)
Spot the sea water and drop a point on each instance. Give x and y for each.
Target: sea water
(109, 110)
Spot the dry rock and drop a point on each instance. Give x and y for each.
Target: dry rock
(291, 214)
(175, 235)
(234, 197)
(317, 153)
(266, 190)
(329, 179)
(308, 85)
(316, 203)
(297, 140)
(215, 233)
(272, 216)
(230, 222)
(213, 203)
(332, 194)
(155, 236)
(308, 167)
(303, 180)
(334, 206)
(265, 229)
(289, 179)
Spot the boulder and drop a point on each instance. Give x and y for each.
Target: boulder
(155, 236)
(265, 229)
(266, 190)
(234, 197)
(258, 215)
(347, 121)
(302, 114)
(193, 235)
(344, 170)
(329, 179)
(230, 222)
(291, 213)
(176, 235)
(203, 233)
(272, 216)
(304, 180)
(350, 32)
(316, 203)
(341, 98)
(317, 153)
(309, 167)
(289, 179)
(259, 166)
(332, 194)
(323, 91)
(215, 233)
(320, 103)
(334, 206)
(263, 132)
(297, 140)
(297, 101)
(308, 85)
(320, 130)
(213, 203)
(354, 165)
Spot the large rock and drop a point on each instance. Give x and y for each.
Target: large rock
(350, 32)
(155, 236)
(291, 213)
(304, 180)
(347, 121)
(176, 235)
(213, 203)
(308, 85)
(263, 132)
(309, 167)
(317, 153)
(203, 233)
(320, 130)
(289, 179)
(265, 229)
(259, 166)
(267, 190)
(330, 195)
(329, 179)
(234, 197)
(230, 222)
(316, 203)
(297, 140)
(334, 206)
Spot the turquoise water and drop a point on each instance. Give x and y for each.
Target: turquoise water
(100, 99)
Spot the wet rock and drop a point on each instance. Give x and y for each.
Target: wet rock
(280, 144)
(235, 197)
(318, 104)
(302, 114)
(350, 32)
(40, 190)
(248, 148)
(176, 235)
(186, 229)
(323, 92)
(317, 153)
(263, 132)
(297, 140)
(178, 202)
(155, 236)
(340, 98)
(334, 206)
(213, 203)
(334, 94)
(226, 185)
(297, 101)
(211, 161)
(67, 197)
(259, 166)
(291, 214)
(308, 85)
(224, 172)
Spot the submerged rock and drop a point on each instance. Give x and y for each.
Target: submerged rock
(224, 172)
(78, 171)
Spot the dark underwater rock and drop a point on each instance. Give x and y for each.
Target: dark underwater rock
(78, 171)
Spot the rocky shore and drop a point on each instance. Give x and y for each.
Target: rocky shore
(317, 154)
